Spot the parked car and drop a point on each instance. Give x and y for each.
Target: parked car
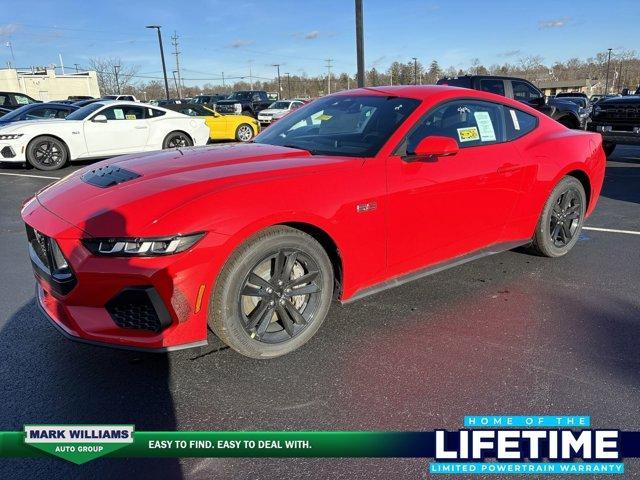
(4, 111)
(38, 111)
(572, 95)
(562, 111)
(124, 98)
(617, 119)
(13, 100)
(84, 103)
(277, 110)
(77, 98)
(221, 127)
(356, 192)
(246, 102)
(98, 130)
(209, 100)
(170, 101)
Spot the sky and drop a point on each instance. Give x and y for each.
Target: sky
(230, 37)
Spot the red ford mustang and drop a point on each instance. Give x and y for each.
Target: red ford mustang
(353, 193)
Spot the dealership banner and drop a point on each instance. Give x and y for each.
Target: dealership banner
(486, 445)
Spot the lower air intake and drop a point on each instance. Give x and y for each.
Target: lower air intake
(139, 308)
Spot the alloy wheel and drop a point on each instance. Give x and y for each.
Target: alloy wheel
(48, 154)
(565, 217)
(245, 133)
(280, 296)
(177, 141)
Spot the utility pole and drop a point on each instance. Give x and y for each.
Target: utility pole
(328, 60)
(277, 65)
(360, 43)
(415, 70)
(288, 84)
(223, 84)
(13, 58)
(175, 81)
(606, 84)
(250, 76)
(116, 70)
(164, 67)
(76, 65)
(176, 52)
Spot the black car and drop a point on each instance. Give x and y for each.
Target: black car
(245, 102)
(38, 111)
(617, 120)
(84, 103)
(209, 100)
(13, 100)
(565, 112)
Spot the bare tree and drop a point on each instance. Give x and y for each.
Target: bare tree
(113, 75)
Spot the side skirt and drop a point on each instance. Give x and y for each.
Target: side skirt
(438, 267)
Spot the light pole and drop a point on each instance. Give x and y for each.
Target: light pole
(415, 70)
(116, 69)
(288, 84)
(164, 67)
(360, 43)
(606, 83)
(10, 45)
(277, 65)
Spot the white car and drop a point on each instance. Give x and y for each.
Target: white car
(99, 130)
(277, 110)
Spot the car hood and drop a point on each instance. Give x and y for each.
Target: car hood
(626, 100)
(168, 180)
(23, 124)
(273, 111)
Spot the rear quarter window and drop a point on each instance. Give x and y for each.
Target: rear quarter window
(518, 123)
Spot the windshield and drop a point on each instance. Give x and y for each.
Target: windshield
(280, 105)
(239, 96)
(350, 125)
(198, 100)
(84, 112)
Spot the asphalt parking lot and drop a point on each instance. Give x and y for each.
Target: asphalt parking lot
(508, 334)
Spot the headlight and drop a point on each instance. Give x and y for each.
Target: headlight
(141, 247)
(10, 136)
(237, 107)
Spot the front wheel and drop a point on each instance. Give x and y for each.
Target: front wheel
(177, 140)
(244, 132)
(273, 293)
(47, 153)
(561, 221)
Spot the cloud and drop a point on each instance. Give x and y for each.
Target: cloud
(554, 23)
(510, 53)
(8, 29)
(312, 35)
(241, 43)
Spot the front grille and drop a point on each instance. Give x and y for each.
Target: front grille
(618, 112)
(108, 176)
(62, 280)
(7, 152)
(225, 108)
(139, 308)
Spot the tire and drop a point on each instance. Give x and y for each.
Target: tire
(608, 148)
(177, 140)
(566, 205)
(47, 153)
(244, 133)
(252, 313)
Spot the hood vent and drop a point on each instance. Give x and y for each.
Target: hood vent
(108, 176)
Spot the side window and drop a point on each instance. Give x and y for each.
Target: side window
(189, 111)
(518, 123)
(256, 97)
(4, 100)
(124, 112)
(469, 122)
(524, 92)
(62, 113)
(22, 99)
(492, 85)
(153, 113)
(40, 113)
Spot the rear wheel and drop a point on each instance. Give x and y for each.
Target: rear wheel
(273, 293)
(244, 132)
(177, 140)
(561, 221)
(608, 148)
(47, 153)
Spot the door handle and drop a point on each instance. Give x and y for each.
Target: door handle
(508, 167)
(140, 127)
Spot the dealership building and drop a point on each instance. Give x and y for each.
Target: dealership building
(550, 88)
(44, 84)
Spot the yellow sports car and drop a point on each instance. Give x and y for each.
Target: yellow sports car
(221, 127)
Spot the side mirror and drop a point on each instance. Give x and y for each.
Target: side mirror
(100, 119)
(432, 147)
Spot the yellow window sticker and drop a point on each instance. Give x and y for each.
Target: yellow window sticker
(468, 134)
(131, 117)
(324, 117)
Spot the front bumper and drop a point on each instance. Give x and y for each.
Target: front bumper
(178, 285)
(13, 151)
(622, 134)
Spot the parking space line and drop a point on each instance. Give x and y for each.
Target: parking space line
(611, 230)
(29, 176)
